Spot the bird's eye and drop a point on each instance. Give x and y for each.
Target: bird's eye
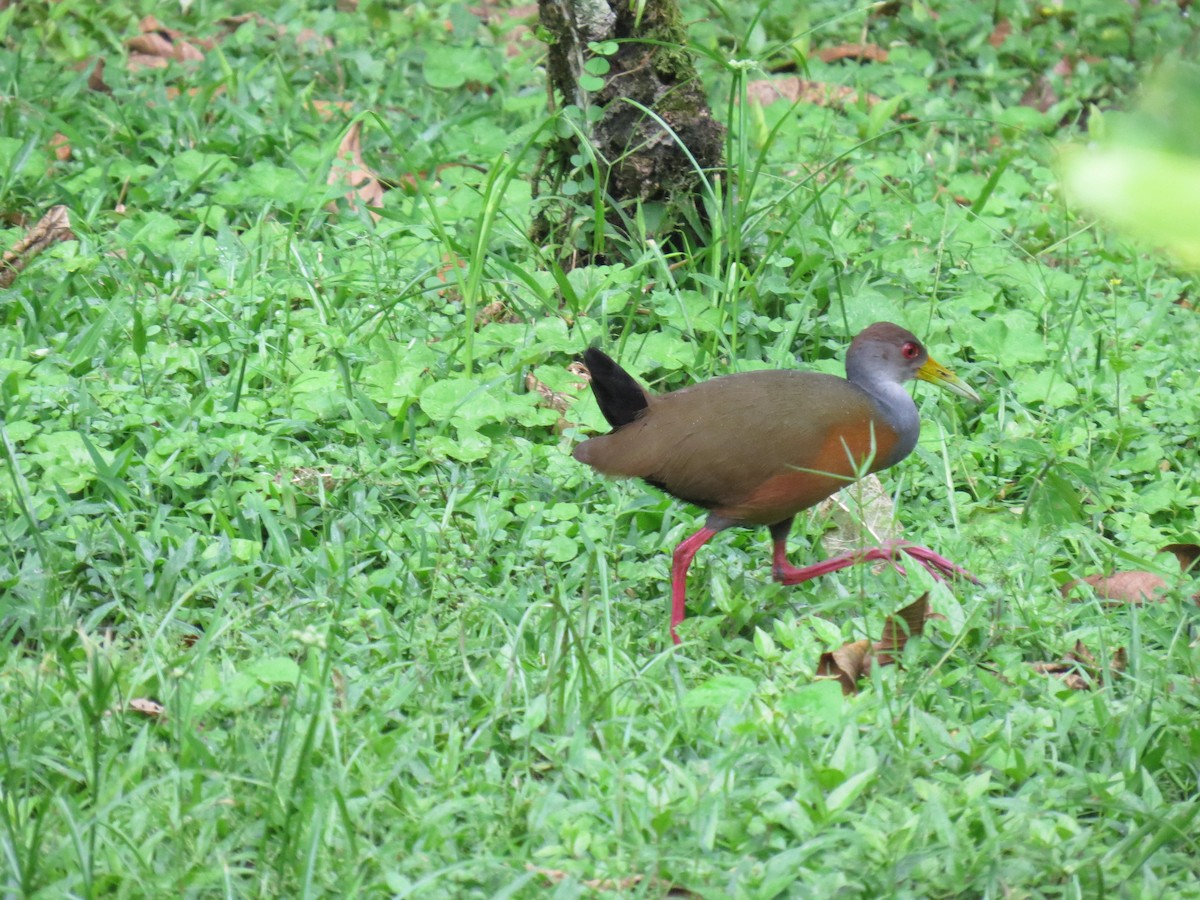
(910, 350)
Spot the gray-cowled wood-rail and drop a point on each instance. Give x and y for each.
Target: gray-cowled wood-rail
(758, 447)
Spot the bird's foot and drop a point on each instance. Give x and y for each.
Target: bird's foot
(937, 566)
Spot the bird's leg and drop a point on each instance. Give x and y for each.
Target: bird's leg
(680, 560)
(936, 565)
(787, 574)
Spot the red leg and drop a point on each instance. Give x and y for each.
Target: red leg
(785, 573)
(680, 560)
(937, 566)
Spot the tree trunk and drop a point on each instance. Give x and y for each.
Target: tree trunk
(640, 158)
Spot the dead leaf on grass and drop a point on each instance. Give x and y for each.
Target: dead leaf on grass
(622, 885)
(1000, 33)
(349, 168)
(1123, 587)
(60, 146)
(799, 90)
(851, 662)
(53, 227)
(551, 399)
(151, 708)
(862, 511)
(1040, 95)
(495, 311)
(327, 108)
(1187, 554)
(515, 24)
(1080, 670)
(95, 80)
(155, 47)
(1138, 586)
(859, 52)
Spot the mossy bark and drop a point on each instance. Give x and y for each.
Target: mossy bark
(640, 158)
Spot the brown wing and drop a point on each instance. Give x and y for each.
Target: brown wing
(755, 447)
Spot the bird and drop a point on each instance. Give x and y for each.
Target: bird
(756, 448)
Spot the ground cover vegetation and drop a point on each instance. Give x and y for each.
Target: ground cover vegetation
(302, 594)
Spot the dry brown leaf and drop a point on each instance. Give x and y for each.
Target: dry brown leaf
(1079, 670)
(309, 479)
(495, 311)
(349, 168)
(311, 36)
(155, 46)
(798, 90)
(515, 23)
(657, 885)
(326, 108)
(60, 146)
(861, 52)
(1187, 554)
(138, 61)
(174, 93)
(1000, 33)
(551, 399)
(863, 511)
(848, 663)
(230, 24)
(53, 227)
(146, 707)
(96, 78)
(1040, 95)
(907, 623)
(851, 662)
(1123, 587)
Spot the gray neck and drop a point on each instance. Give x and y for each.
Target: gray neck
(895, 408)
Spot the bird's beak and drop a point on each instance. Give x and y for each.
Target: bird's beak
(935, 373)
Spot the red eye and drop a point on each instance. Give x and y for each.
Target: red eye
(911, 350)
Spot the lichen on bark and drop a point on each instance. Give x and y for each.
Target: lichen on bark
(640, 156)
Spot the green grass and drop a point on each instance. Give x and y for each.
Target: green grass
(258, 464)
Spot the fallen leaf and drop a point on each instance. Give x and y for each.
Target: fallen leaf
(764, 92)
(495, 311)
(155, 46)
(863, 510)
(848, 663)
(851, 662)
(53, 227)
(1187, 554)
(309, 479)
(349, 168)
(173, 93)
(551, 399)
(151, 708)
(1123, 587)
(514, 23)
(1079, 670)
(60, 146)
(311, 36)
(1000, 33)
(95, 80)
(861, 52)
(326, 108)
(1040, 95)
(656, 885)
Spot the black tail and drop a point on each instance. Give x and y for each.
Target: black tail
(620, 397)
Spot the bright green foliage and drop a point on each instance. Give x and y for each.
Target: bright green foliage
(277, 467)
